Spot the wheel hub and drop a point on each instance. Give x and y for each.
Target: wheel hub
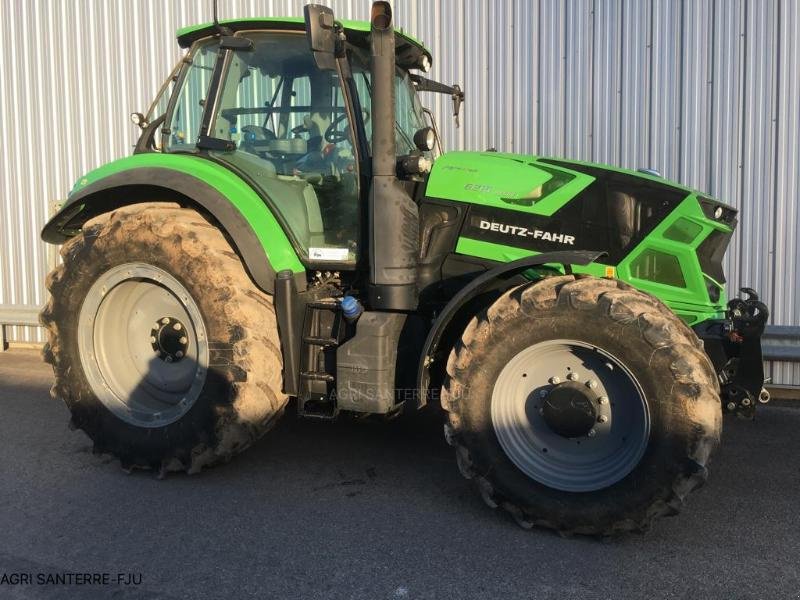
(569, 409)
(169, 340)
(143, 344)
(570, 415)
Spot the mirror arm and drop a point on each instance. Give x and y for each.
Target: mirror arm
(424, 84)
(455, 92)
(147, 138)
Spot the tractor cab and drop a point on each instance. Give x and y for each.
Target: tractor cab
(258, 101)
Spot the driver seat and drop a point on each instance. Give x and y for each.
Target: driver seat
(317, 124)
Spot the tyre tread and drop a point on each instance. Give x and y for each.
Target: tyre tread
(663, 330)
(258, 401)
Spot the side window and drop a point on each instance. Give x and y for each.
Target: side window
(408, 114)
(291, 137)
(409, 117)
(185, 122)
(253, 93)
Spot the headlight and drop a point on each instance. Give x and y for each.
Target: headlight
(413, 165)
(425, 138)
(718, 211)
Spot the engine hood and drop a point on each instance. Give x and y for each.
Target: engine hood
(526, 183)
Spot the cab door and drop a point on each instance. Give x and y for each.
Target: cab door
(284, 125)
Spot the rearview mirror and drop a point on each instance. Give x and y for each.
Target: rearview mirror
(321, 35)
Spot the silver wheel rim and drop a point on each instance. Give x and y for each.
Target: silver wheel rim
(143, 345)
(607, 452)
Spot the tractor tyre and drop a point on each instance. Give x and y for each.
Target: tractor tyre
(163, 349)
(582, 405)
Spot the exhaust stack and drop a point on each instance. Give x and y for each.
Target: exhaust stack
(393, 215)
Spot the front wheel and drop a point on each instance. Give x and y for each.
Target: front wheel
(582, 405)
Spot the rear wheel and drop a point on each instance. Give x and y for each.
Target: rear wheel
(582, 405)
(164, 351)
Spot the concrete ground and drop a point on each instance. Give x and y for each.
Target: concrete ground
(367, 510)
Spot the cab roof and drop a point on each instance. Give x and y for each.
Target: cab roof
(409, 49)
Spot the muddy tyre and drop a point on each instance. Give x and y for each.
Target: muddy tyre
(582, 405)
(163, 350)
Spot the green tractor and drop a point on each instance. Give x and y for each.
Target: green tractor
(288, 227)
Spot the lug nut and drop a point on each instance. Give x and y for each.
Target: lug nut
(592, 433)
(731, 406)
(179, 354)
(165, 320)
(543, 393)
(572, 376)
(153, 339)
(177, 327)
(603, 400)
(591, 383)
(764, 396)
(745, 401)
(555, 379)
(183, 340)
(602, 419)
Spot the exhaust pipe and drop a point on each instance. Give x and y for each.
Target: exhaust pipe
(393, 215)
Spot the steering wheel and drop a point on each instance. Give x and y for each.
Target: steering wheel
(334, 135)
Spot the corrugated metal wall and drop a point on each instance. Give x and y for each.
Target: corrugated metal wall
(707, 91)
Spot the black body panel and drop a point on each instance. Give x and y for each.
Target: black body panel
(614, 213)
(439, 225)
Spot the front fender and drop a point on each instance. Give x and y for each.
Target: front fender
(248, 221)
(481, 284)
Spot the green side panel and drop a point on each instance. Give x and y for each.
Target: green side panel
(273, 240)
(486, 177)
(676, 239)
(507, 181)
(673, 243)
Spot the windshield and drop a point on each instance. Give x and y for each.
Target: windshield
(409, 114)
(292, 137)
